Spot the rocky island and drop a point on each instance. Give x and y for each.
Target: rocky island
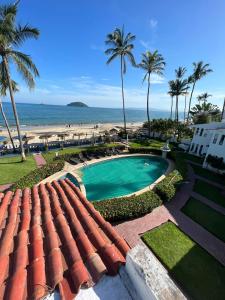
(77, 104)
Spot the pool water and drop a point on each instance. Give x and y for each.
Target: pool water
(71, 178)
(121, 176)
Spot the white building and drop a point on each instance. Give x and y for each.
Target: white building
(209, 139)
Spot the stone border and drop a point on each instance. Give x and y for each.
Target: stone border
(68, 168)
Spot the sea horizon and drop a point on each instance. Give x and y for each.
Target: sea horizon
(33, 114)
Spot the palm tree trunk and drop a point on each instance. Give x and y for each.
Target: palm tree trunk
(177, 110)
(189, 108)
(148, 116)
(185, 105)
(124, 113)
(7, 125)
(171, 109)
(176, 113)
(14, 108)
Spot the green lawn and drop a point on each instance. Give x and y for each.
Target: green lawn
(209, 191)
(199, 274)
(147, 143)
(49, 156)
(12, 169)
(207, 217)
(209, 174)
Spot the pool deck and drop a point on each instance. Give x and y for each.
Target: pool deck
(74, 170)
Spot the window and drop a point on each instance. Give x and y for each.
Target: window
(197, 130)
(215, 138)
(201, 132)
(192, 147)
(196, 149)
(222, 139)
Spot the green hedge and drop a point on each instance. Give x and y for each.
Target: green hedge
(145, 150)
(180, 161)
(124, 208)
(166, 189)
(38, 175)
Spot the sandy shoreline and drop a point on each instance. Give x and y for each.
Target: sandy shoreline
(84, 130)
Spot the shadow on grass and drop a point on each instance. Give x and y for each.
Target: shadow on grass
(12, 162)
(200, 275)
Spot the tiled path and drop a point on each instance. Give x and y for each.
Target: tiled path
(131, 230)
(39, 159)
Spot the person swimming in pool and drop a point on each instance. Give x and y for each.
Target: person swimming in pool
(146, 164)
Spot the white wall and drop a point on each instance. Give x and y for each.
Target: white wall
(150, 279)
(217, 149)
(200, 140)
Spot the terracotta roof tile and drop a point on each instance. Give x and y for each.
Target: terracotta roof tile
(52, 237)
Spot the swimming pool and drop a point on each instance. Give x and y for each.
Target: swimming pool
(71, 178)
(121, 176)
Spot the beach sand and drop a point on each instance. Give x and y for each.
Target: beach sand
(86, 130)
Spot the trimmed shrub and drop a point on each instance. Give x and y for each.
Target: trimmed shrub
(38, 175)
(166, 189)
(180, 161)
(145, 150)
(125, 208)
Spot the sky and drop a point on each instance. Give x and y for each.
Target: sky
(70, 50)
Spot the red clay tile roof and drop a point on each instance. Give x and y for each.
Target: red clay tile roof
(51, 236)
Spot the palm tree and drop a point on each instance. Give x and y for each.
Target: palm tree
(200, 70)
(203, 97)
(121, 46)
(12, 36)
(189, 80)
(171, 95)
(205, 113)
(178, 88)
(179, 75)
(3, 89)
(180, 72)
(151, 63)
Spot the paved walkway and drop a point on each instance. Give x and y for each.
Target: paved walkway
(131, 230)
(39, 159)
(208, 202)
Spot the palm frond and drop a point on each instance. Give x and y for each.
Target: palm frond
(120, 46)
(24, 72)
(4, 84)
(25, 60)
(24, 32)
(112, 58)
(131, 58)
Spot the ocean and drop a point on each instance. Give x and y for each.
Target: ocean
(39, 114)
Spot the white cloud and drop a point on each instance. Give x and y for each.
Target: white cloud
(94, 93)
(153, 23)
(103, 94)
(145, 44)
